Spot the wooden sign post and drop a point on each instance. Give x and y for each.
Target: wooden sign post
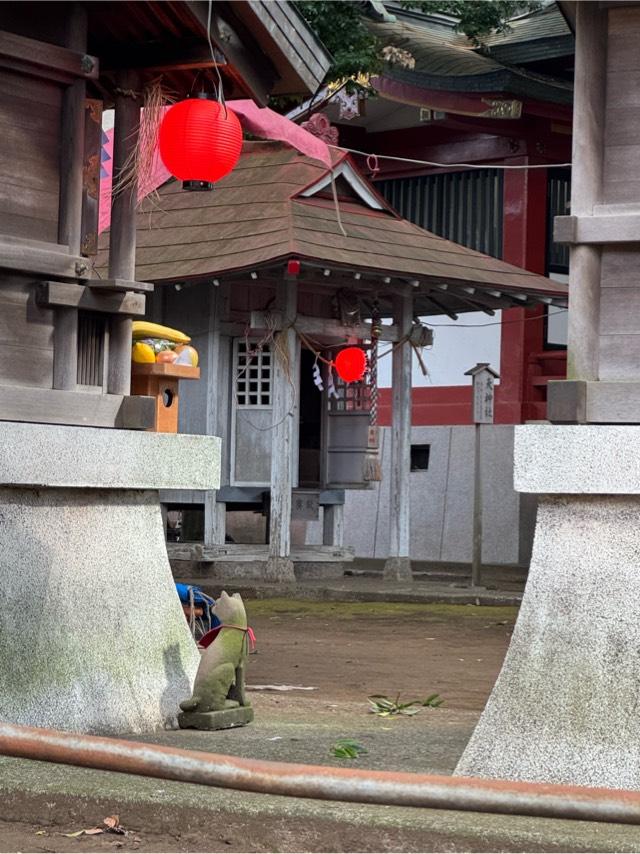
(483, 377)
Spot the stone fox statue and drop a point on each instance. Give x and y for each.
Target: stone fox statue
(219, 681)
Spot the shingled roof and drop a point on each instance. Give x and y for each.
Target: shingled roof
(259, 216)
(441, 65)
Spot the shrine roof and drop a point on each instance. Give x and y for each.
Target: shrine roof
(277, 204)
(454, 65)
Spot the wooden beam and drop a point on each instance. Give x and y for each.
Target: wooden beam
(398, 565)
(322, 326)
(284, 373)
(333, 525)
(91, 167)
(120, 285)
(85, 409)
(68, 295)
(65, 333)
(122, 243)
(72, 141)
(257, 552)
(42, 59)
(247, 64)
(26, 257)
(216, 416)
(181, 56)
(65, 348)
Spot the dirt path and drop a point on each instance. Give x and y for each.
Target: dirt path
(349, 651)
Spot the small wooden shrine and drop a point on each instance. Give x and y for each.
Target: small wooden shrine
(284, 263)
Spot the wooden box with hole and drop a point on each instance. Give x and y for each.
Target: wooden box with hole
(161, 382)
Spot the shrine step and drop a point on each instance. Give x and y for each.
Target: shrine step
(257, 552)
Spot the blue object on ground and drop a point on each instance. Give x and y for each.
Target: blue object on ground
(188, 593)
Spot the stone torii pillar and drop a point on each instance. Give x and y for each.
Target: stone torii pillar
(565, 706)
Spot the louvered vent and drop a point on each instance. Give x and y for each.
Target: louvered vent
(91, 335)
(465, 207)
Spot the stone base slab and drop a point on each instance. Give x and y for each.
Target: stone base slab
(565, 707)
(225, 719)
(91, 457)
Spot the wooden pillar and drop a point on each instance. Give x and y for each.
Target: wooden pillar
(333, 525)
(122, 244)
(217, 379)
(586, 187)
(284, 368)
(65, 343)
(398, 564)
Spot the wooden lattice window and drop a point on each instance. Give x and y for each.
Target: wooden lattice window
(91, 355)
(253, 374)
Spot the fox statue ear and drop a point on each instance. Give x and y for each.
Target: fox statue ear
(237, 596)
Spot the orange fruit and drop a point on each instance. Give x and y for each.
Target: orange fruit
(166, 357)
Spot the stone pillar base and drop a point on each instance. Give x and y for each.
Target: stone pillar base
(398, 569)
(280, 569)
(565, 706)
(92, 634)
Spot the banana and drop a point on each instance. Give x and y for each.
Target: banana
(144, 329)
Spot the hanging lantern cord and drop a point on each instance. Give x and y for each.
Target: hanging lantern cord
(219, 87)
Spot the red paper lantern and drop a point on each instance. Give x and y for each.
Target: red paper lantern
(351, 363)
(200, 142)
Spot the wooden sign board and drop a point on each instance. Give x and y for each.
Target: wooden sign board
(483, 378)
(483, 399)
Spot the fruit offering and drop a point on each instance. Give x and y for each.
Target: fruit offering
(154, 343)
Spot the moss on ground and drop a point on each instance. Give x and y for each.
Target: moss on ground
(381, 610)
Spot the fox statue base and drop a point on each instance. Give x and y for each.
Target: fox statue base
(225, 719)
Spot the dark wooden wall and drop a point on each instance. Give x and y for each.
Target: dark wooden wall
(30, 111)
(26, 337)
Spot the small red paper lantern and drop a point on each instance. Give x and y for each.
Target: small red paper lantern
(351, 363)
(200, 142)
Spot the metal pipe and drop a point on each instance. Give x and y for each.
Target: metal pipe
(321, 782)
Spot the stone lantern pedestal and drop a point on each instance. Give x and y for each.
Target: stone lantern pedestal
(565, 706)
(92, 634)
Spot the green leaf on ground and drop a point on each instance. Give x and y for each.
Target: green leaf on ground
(382, 706)
(347, 748)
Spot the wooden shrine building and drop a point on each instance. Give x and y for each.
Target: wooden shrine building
(65, 344)
(269, 274)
